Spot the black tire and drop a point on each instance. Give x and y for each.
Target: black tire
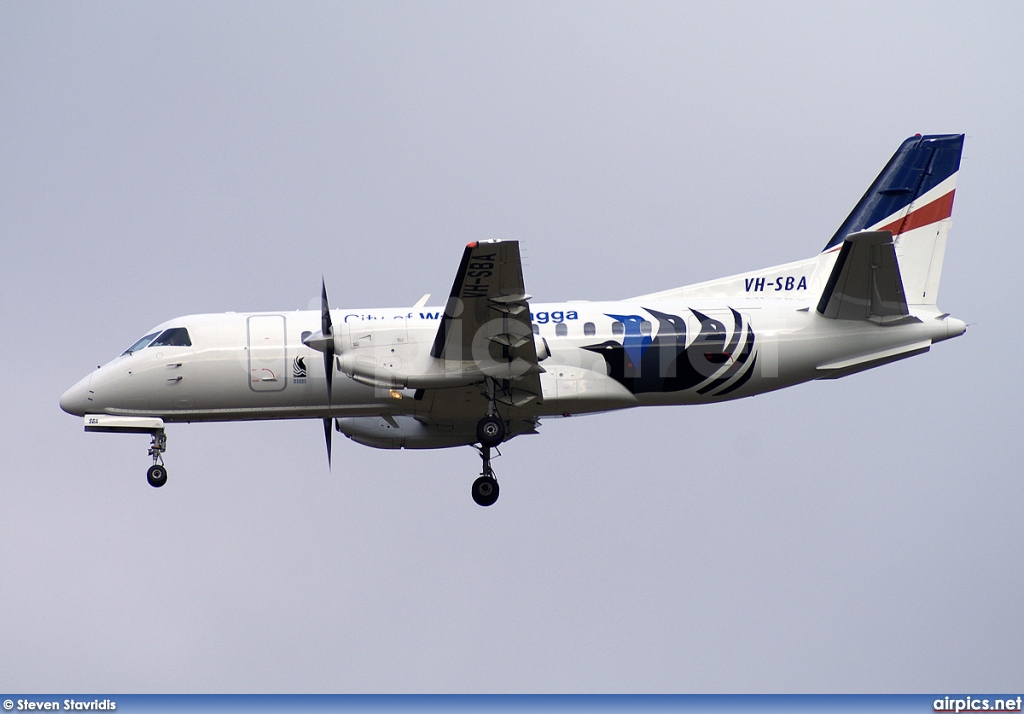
(490, 431)
(157, 475)
(485, 491)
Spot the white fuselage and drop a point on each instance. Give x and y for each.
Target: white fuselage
(255, 365)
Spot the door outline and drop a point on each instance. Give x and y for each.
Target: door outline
(268, 360)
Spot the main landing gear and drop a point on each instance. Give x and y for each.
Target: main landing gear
(157, 474)
(485, 488)
(490, 431)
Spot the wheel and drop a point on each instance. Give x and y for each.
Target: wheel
(490, 431)
(485, 491)
(157, 475)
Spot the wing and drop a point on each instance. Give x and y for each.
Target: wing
(486, 323)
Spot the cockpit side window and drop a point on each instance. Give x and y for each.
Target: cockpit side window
(174, 337)
(141, 343)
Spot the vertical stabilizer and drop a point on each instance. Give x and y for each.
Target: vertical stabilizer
(912, 199)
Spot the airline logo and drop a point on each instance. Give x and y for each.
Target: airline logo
(717, 361)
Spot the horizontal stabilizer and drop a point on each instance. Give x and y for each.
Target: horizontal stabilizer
(865, 283)
(852, 365)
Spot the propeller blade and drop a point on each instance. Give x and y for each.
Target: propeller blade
(329, 370)
(327, 330)
(325, 310)
(327, 437)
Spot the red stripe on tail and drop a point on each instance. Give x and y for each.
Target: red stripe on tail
(939, 209)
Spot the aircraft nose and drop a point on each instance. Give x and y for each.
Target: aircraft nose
(77, 399)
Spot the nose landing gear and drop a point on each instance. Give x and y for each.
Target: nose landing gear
(154, 426)
(157, 473)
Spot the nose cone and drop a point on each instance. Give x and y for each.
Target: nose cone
(77, 399)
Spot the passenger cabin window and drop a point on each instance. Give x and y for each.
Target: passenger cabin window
(141, 343)
(645, 327)
(618, 328)
(536, 329)
(174, 337)
(589, 329)
(561, 329)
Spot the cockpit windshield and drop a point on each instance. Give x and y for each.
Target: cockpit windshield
(141, 343)
(174, 337)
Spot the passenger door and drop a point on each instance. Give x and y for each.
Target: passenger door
(268, 357)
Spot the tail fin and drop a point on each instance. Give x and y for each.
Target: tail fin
(912, 199)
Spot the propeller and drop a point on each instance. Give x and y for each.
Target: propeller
(323, 341)
(327, 331)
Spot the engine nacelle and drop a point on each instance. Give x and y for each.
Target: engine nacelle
(404, 432)
(429, 373)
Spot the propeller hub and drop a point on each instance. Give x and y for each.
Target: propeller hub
(320, 342)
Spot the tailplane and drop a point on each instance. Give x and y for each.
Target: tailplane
(865, 283)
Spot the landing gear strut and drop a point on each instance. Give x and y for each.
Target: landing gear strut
(485, 488)
(157, 473)
(490, 431)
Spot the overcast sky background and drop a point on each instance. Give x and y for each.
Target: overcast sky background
(160, 159)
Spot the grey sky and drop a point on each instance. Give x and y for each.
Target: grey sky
(865, 534)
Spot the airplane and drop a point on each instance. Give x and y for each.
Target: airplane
(490, 364)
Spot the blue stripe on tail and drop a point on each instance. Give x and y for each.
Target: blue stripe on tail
(919, 165)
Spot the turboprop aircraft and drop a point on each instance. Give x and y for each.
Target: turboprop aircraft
(490, 364)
